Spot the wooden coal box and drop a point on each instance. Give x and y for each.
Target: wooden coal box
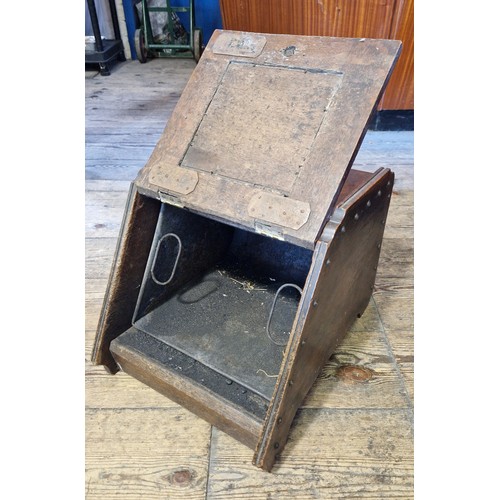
(249, 246)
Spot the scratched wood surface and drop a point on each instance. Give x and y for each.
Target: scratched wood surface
(353, 437)
(344, 78)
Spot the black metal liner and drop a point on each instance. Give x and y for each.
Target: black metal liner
(216, 304)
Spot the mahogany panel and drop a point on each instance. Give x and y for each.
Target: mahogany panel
(400, 90)
(341, 18)
(390, 19)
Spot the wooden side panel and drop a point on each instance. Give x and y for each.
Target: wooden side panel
(131, 255)
(337, 291)
(400, 90)
(354, 182)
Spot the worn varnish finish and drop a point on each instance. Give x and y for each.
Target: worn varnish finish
(126, 274)
(367, 454)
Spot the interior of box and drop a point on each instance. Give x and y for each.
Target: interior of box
(215, 306)
(222, 296)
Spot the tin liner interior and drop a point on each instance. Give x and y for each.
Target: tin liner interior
(224, 297)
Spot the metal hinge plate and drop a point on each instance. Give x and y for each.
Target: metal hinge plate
(267, 230)
(170, 199)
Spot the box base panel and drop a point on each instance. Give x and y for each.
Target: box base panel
(229, 406)
(220, 320)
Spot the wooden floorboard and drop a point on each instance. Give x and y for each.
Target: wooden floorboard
(353, 437)
(143, 454)
(329, 454)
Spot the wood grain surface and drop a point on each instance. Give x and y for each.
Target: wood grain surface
(360, 18)
(354, 72)
(400, 91)
(353, 439)
(143, 453)
(330, 454)
(129, 263)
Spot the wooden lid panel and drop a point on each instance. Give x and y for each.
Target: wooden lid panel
(267, 128)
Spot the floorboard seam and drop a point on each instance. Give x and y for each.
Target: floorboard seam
(396, 365)
(364, 408)
(94, 409)
(305, 409)
(209, 464)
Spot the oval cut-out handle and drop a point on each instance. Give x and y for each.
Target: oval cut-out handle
(272, 311)
(172, 274)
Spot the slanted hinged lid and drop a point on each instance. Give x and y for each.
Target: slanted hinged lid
(267, 128)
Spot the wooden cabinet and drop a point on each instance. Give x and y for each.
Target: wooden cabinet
(390, 19)
(399, 93)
